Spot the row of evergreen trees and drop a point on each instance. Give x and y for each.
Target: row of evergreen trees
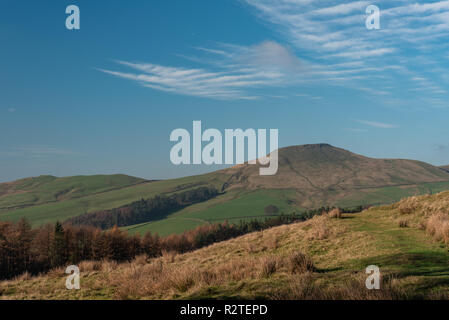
(144, 210)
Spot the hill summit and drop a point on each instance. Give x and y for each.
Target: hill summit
(322, 170)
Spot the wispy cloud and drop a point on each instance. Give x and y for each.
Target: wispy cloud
(320, 43)
(376, 124)
(239, 68)
(329, 32)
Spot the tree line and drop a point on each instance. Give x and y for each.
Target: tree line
(144, 210)
(23, 249)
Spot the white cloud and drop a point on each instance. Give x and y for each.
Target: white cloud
(334, 45)
(240, 68)
(332, 33)
(376, 124)
(270, 54)
(342, 8)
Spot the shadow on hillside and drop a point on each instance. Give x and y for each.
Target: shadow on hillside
(425, 263)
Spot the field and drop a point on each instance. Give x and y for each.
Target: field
(413, 263)
(231, 207)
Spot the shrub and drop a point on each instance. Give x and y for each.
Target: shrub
(438, 226)
(269, 266)
(403, 223)
(408, 205)
(335, 213)
(300, 263)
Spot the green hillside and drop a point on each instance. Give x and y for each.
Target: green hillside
(235, 206)
(111, 197)
(232, 207)
(47, 189)
(309, 176)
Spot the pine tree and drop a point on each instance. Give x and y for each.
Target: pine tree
(59, 246)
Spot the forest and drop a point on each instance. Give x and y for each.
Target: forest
(144, 210)
(24, 249)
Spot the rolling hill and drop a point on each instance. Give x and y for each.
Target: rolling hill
(45, 189)
(309, 176)
(322, 258)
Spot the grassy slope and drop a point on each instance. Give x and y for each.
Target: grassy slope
(61, 210)
(232, 207)
(341, 249)
(48, 189)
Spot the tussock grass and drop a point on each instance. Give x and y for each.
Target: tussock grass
(335, 213)
(300, 263)
(306, 287)
(437, 225)
(403, 223)
(431, 213)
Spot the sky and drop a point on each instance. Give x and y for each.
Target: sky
(104, 99)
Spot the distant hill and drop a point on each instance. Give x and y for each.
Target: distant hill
(321, 171)
(44, 189)
(445, 168)
(309, 176)
(321, 167)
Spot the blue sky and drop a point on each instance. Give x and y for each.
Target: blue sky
(104, 99)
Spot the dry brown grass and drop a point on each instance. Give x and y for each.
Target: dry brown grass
(403, 223)
(162, 279)
(261, 264)
(319, 233)
(431, 213)
(437, 225)
(169, 255)
(307, 287)
(300, 263)
(269, 266)
(409, 205)
(89, 266)
(335, 213)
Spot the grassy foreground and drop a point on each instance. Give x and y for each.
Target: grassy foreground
(407, 240)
